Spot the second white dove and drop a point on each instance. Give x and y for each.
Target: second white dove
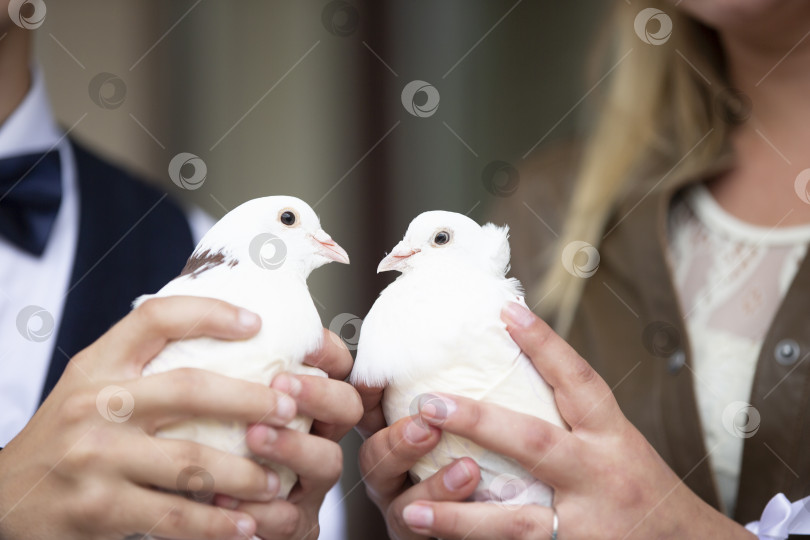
(437, 328)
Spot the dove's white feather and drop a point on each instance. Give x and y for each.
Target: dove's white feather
(227, 265)
(437, 328)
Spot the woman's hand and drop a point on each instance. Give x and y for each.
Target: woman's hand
(315, 457)
(85, 464)
(387, 455)
(609, 482)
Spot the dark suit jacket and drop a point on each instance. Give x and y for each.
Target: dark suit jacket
(133, 239)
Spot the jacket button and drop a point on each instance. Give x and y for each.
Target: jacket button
(786, 352)
(676, 361)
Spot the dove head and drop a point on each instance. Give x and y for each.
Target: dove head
(447, 238)
(274, 233)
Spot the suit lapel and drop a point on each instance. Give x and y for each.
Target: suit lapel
(132, 240)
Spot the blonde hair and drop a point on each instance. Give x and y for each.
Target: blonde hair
(655, 103)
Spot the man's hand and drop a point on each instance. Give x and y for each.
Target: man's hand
(87, 463)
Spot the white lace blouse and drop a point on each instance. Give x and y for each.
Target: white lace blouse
(731, 277)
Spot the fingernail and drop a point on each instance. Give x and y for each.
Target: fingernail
(458, 475)
(419, 516)
(271, 436)
(435, 409)
(285, 408)
(517, 315)
(273, 483)
(415, 433)
(246, 527)
(247, 319)
(287, 384)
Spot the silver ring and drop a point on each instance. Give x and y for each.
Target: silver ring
(555, 523)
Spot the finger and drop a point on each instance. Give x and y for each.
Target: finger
(333, 357)
(373, 419)
(583, 397)
(478, 521)
(335, 405)
(172, 516)
(190, 468)
(453, 482)
(318, 462)
(387, 456)
(547, 451)
(142, 334)
(166, 398)
(280, 520)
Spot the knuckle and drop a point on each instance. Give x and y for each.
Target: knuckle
(87, 454)
(396, 445)
(522, 526)
(537, 440)
(150, 311)
(186, 382)
(92, 504)
(176, 518)
(364, 458)
(354, 407)
(474, 415)
(541, 333)
(208, 525)
(583, 372)
(395, 519)
(189, 454)
(333, 464)
(78, 407)
(288, 522)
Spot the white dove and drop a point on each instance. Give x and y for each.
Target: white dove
(258, 257)
(437, 328)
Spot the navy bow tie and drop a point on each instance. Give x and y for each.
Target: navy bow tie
(30, 194)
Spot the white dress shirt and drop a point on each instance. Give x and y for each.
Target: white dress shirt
(27, 280)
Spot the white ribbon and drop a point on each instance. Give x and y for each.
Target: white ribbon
(781, 518)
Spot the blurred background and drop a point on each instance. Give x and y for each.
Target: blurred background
(306, 98)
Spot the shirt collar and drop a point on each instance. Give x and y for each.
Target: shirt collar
(31, 126)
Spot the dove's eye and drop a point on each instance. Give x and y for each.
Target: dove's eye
(287, 218)
(441, 238)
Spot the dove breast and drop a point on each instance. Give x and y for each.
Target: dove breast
(291, 329)
(440, 331)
